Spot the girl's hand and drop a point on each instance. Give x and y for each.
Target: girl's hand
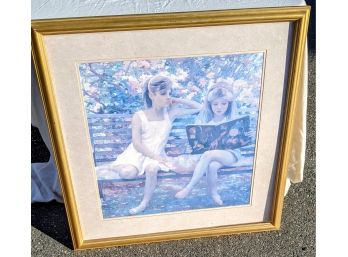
(171, 163)
(160, 159)
(189, 107)
(174, 100)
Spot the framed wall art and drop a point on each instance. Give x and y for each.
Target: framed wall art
(171, 126)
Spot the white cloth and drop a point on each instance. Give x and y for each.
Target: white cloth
(298, 145)
(50, 9)
(45, 185)
(154, 136)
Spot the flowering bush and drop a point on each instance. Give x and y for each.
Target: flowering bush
(116, 87)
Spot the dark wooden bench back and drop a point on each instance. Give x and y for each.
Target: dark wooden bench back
(111, 134)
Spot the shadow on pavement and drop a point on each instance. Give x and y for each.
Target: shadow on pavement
(50, 218)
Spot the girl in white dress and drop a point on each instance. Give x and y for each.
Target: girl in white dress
(219, 107)
(150, 131)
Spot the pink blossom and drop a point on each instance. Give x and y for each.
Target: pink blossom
(181, 75)
(144, 64)
(97, 107)
(134, 85)
(210, 75)
(202, 82)
(92, 90)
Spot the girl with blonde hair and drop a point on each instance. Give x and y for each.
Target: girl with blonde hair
(219, 107)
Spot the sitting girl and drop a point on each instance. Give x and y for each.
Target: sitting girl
(218, 108)
(150, 131)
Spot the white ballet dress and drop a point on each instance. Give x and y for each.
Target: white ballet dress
(154, 135)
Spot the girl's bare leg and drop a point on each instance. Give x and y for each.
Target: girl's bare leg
(212, 181)
(124, 171)
(224, 157)
(150, 185)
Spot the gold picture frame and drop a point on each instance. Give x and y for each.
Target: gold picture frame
(44, 30)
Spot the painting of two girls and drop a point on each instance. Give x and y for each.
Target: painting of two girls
(212, 90)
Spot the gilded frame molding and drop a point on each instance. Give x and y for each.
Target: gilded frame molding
(40, 28)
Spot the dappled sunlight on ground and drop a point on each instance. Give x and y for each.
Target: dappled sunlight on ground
(234, 189)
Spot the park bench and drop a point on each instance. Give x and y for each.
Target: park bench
(111, 133)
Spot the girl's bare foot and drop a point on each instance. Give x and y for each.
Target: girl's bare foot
(217, 199)
(141, 207)
(182, 193)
